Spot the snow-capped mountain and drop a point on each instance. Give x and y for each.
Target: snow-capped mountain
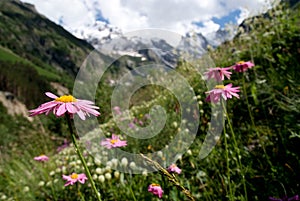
(220, 36)
(110, 41)
(97, 33)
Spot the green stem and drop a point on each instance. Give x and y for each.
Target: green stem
(79, 192)
(227, 165)
(237, 150)
(82, 158)
(252, 119)
(131, 191)
(248, 105)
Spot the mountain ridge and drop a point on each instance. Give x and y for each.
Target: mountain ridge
(33, 36)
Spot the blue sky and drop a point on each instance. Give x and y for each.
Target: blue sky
(232, 17)
(180, 16)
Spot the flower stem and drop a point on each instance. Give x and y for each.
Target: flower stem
(247, 102)
(239, 163)
(252, 119)
(227, 165)
(82, 158)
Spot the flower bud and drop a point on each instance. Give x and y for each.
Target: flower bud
(101, 178)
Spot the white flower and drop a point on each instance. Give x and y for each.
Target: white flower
(107, 169)
(114, 162)
(109, 163)
(41, 183)
(145, 173)
(95, 176)
(101, 178)
(132, 165)
(107, 176)
(124, 162)
(217, 138)
(72, 163)
(97, 161)
(26, 189)
(116, 174)
(160, 153)
(52, 173)
(99, 171)
(189, 152)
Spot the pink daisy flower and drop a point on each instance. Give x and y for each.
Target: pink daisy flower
(242, 66)
(41, 158)
(218, 73)
(66, 104)
(73, 178)
(156, 190)
(222, 91)
(174, 168)
(113, 142)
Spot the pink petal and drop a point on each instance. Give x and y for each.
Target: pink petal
(51, 95)
(70, 108)
(65, 177)
(81, 115)
(61, 110)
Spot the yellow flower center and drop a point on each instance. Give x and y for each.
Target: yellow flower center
(155, 184)
(219, 87)
(74, 176)
(240, 62)
(66, 99)
(113, 141)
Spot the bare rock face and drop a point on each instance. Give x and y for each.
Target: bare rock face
(13, 105)
(61, 90)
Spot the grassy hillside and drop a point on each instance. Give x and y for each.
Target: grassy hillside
(34, 37)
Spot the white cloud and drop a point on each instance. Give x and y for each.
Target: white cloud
(209, 27)
(129, 15)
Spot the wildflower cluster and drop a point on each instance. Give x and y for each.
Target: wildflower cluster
(219, 74)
